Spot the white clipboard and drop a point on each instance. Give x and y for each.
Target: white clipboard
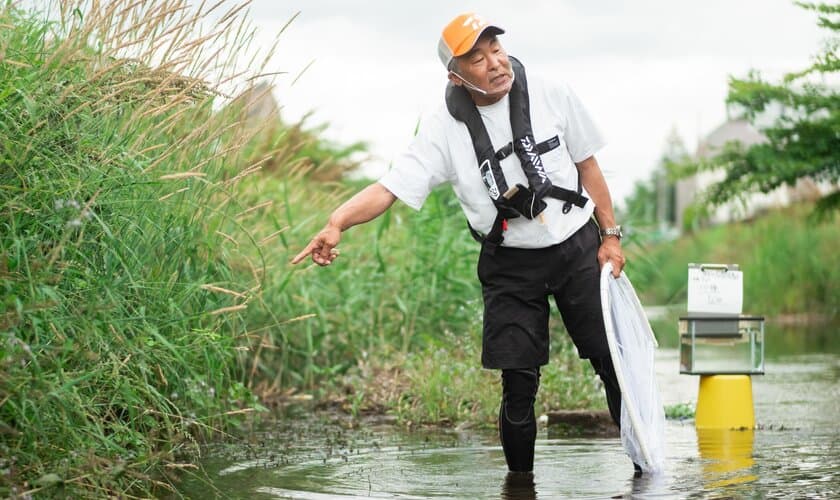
(715, 289)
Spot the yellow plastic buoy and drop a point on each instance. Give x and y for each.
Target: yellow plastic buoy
(725, 402)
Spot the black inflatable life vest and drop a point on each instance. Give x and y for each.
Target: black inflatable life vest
(525, 201)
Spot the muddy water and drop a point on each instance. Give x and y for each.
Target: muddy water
(795, 452)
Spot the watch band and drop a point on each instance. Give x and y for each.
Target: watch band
(612, 231)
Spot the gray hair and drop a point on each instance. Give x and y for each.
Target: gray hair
(453, 65)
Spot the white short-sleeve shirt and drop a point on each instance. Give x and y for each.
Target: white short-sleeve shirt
(442, 152)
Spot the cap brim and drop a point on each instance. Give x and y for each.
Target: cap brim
(489, 29)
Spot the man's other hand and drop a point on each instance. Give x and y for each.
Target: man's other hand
(322, 247)
(610, 251)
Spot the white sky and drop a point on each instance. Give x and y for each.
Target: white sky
(641, 67)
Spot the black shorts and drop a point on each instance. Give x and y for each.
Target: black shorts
(516, 283)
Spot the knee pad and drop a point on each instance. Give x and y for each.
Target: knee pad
(518, 394)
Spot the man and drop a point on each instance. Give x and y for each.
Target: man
(519, 154)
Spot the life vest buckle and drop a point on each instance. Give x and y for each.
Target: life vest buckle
(567, 207)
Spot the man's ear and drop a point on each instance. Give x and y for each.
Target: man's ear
(455, 79)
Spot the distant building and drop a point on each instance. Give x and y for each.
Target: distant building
(688, 189)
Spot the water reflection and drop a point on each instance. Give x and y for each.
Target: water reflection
(648, 486)
(519, 486)
(727, 456)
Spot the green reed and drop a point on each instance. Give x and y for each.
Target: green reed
(123, 306)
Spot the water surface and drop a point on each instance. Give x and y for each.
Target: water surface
(793, 453)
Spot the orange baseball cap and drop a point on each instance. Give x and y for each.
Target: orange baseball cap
(460, 35)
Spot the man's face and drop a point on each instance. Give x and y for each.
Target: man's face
(486, 66)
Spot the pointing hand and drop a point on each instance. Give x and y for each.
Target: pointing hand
(322, 247)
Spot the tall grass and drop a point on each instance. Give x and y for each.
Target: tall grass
(122, 299)
(401, 280)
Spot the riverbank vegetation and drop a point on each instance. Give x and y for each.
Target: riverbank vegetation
(122, 265)
(786, 254)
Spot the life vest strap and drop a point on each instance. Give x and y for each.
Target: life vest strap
(542, 148)
(493, 239)
(569, 196)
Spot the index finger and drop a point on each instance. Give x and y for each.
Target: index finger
(306, 251)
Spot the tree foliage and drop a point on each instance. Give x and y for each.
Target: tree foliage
(803, 140)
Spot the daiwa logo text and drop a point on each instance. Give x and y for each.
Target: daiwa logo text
(533, 157)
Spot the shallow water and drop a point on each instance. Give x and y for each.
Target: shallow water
(794, 453)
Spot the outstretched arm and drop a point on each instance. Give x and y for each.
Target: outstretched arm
(593, 181)
(364, 206)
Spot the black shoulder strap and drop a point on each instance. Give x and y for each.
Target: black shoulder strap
(461, 107)
(524, 144)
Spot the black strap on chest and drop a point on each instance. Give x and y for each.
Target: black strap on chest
(542, 148)
(525, 201)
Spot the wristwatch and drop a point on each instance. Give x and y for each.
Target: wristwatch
(612, 231)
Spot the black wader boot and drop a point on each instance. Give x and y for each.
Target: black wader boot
(517, 423)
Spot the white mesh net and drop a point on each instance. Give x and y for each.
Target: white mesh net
(632, 347)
